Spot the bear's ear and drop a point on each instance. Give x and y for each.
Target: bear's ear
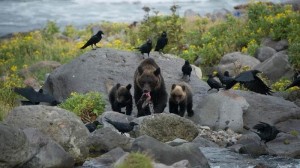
(183, 88)
(140, 70)
(118, 85)
(173, 86)
(157, 72)
(128, 87)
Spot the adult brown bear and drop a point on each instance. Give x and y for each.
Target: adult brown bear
(149, 86)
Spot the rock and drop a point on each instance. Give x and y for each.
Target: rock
(204, 142)
(254, 149)
(289, 125)
(168, 155)
(62, 126)
(180, 164)
(264, 53)
(277, 45)
(267, 109)
(165, 127)
(106, 160)
(221, 110)
(104, 139)
(49, 153)
(15, 148)
(285, 145)
(276, 67)
(234, 62)
(176, 142)
(221, 138)
(114, 116)
(92, 70)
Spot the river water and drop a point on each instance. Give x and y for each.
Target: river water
(25, 15)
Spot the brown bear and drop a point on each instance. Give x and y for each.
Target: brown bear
(149, 86)
(119, 97)
(181, 96)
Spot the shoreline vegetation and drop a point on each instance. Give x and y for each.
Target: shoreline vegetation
(189, 38)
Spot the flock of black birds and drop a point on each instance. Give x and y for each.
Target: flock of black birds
(248, 79)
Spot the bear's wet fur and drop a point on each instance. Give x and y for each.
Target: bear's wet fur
(148, 79)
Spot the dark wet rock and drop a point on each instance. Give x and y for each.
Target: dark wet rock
(168, 155)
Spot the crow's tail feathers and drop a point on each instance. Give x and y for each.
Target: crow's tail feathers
(83, 47)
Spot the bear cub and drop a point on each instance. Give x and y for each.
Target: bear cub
(149, 86)
(119, 97)
(181, 99)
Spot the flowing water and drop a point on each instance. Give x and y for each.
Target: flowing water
(25, 15)
(224, 158)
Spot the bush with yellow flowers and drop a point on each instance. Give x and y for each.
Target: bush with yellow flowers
(88, 106)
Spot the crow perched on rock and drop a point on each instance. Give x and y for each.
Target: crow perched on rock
(296, 82)
(225, 79)
(92, 126)
(249, 80)
(162, 41)
(186, 69)
(266, 132)
(35, 97)
(213, 83)
(93, 40)
(122, 127)
(146, 47)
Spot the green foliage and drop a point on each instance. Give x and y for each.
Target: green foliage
(153, 26)
(136, 160)
(7, 101)
(294, 133)
(88, 106)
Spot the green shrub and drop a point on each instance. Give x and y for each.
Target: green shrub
(136, 160)
(88, 106)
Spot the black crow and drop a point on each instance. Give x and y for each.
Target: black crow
(213, 83)
(162, 41)
(93, 40)
(250, 81)
(186, 69)
(36, 97)
(146, 47)
(122, 127)
(296, 82)
(92, 126)
(266, 132)
(225, 79)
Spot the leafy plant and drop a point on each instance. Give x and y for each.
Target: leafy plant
(136, 160)
(88, 106)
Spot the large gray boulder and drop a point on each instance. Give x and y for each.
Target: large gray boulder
(234, 62)
(165, 127)
(269, 109)
(15, 148)
(93, 70)
(31, 148)
(62, 126)
(264, 53)
(49, 153)
(221, 110)
(105, 139)
(276, 67)
(168, 155)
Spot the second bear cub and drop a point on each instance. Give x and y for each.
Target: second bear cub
(181, 99)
